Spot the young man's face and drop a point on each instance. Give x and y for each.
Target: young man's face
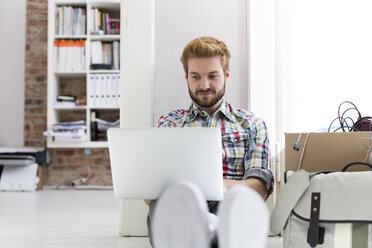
(206, 81)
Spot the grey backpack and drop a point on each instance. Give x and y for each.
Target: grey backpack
(325, 209)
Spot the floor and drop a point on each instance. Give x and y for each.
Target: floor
(66, 218)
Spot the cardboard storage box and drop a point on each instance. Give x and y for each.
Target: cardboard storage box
(327, 151)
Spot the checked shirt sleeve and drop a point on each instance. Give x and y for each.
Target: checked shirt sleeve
(258, 157)
(171, 119)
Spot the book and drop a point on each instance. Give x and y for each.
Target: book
(90, 87)
(93, 126)
(70, 20)
(81, 59)
(56, 54)
(66, 98)
(69, 55)
(61, 55)
(115, 54)
(118, 90)
(114, 26)
(107, 90)
(96, 53)
(107, 53)
(103, 23)
(103, 90)
(69, 44)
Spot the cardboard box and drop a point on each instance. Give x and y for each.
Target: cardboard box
(327, 151)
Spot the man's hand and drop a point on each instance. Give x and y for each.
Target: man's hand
(148, 202)
(252, 182)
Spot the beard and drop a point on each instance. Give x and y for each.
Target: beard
(204, 102)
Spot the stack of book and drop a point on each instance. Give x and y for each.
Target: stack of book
(68, 132)
(65, 101)
(69, 55)
(105, 55)
(104, 90)
(115, 26)
(103, 23)
(70, 20)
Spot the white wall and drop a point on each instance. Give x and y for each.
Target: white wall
(177, 22)
(329, 59)
(12, 68)
(262, 64)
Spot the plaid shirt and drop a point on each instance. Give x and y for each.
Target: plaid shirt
(245, 143)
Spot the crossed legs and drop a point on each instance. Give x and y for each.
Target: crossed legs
(181, 218)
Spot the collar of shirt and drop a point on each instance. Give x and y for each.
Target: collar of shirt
(194, 111)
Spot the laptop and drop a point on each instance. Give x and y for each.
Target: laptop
(144, 161)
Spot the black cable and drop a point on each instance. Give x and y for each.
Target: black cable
(330, 125)
(342, 116)
(349, 117)
(341, 125)
(347, 123)
(349, 128)
(354, 163)
(339, 107)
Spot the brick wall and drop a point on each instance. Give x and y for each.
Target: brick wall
(67, 164)
(70, 164)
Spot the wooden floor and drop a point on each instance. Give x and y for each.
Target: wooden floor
(66, 218)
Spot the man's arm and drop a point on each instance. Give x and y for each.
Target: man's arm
(251, 182)
(257, 162)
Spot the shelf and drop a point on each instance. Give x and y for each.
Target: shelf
(108, 108)
(71, 108)
(93, 144)
(78, 81)
(103, 71)
(71, 2)
(70, 73)
(70, 37)
(112, 5)
(105, 37)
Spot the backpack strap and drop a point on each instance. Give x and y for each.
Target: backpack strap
(288, 198)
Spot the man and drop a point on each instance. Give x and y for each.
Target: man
(245, 153)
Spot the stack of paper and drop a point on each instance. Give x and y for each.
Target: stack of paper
(103, 125)
(68, 132)
(99, 127)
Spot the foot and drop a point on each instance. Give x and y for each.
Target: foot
(244, 219)
(180, 218)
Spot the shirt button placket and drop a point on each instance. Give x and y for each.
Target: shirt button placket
(208, 121)
(203, 122)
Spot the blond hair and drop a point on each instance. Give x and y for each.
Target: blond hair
(206, 47)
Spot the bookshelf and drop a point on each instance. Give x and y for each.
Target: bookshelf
(76, 39)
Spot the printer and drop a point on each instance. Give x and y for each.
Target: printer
(20, 167)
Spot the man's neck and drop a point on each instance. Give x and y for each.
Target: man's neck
(210, 110)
